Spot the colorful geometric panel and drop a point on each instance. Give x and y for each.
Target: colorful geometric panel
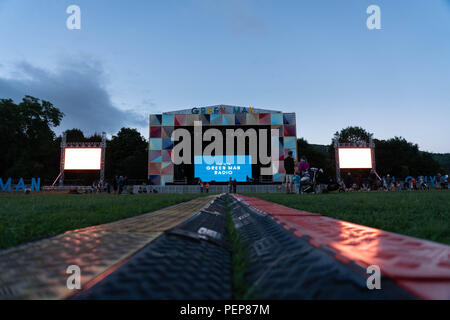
(155, 143)
(154, 168)
(281, 167)
(281, 145)
(252, 119)
(155, 179)
(167, 144)
(166, 179)
(240, 119)
(167, 120)
(155, 119)
(166, 155)
(205, 119)
(155, 156)
(228, 119)
(276, 118)
(290, 142)
(191, 118)
(216, 119)
(155, 132)
(180, 119)
(289, 130)
(264, 119)
(167, 168)
(288, 118)
(167, 132)
(280, 130)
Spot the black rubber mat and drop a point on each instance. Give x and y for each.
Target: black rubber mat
(189, 262)
(209, 224)
(283, 266)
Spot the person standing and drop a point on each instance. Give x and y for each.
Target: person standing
(439, 181)
(115, 183)
(207, 187)
(303, 166)
(348, 181)
(289, 167)
(120, 185)
(230, 186)
(234, 185)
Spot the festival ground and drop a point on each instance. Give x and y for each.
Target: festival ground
(224, 247)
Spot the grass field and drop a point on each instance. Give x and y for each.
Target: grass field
(29, 217)
(423, 215)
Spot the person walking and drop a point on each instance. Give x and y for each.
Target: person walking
(289, 167)
(120, 185)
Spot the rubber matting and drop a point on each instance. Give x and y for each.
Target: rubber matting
(422, 267)
(37, 270)
(284, 266)
(188, 262)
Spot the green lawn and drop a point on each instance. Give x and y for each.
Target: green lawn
(419, 214)
(29, 217)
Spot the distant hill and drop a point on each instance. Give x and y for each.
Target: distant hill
(443, 159)
(320, 147)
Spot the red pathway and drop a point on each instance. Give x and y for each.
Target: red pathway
(419, 266)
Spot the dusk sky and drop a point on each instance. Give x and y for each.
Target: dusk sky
(316, 58)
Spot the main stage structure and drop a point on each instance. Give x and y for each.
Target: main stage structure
(163, 171)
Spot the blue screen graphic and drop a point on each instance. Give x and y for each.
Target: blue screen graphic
(222, 168)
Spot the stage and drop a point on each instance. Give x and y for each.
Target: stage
(265, 188)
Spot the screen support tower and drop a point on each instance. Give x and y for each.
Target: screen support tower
(358, 144)
(65, 144)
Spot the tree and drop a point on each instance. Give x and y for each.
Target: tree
(75, 135)
(400, 158)
(28, 141)
(353, 135)
(126, 154)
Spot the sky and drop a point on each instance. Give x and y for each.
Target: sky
(316, 58)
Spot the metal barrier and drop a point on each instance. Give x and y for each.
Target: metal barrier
(268, 188)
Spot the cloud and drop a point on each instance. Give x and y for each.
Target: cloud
(78, 89)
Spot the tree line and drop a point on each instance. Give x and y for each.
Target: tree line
(30, 147)
(395, 156)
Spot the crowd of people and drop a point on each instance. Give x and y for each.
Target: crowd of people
(118, 185)
(389, 183)
(301, 178)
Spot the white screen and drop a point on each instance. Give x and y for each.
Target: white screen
(82, 158)
(355, 158)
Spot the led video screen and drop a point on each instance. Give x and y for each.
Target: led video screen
(222, 168)
(82, 159)
(355, 158)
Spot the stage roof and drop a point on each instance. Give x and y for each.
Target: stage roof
(221, 108)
